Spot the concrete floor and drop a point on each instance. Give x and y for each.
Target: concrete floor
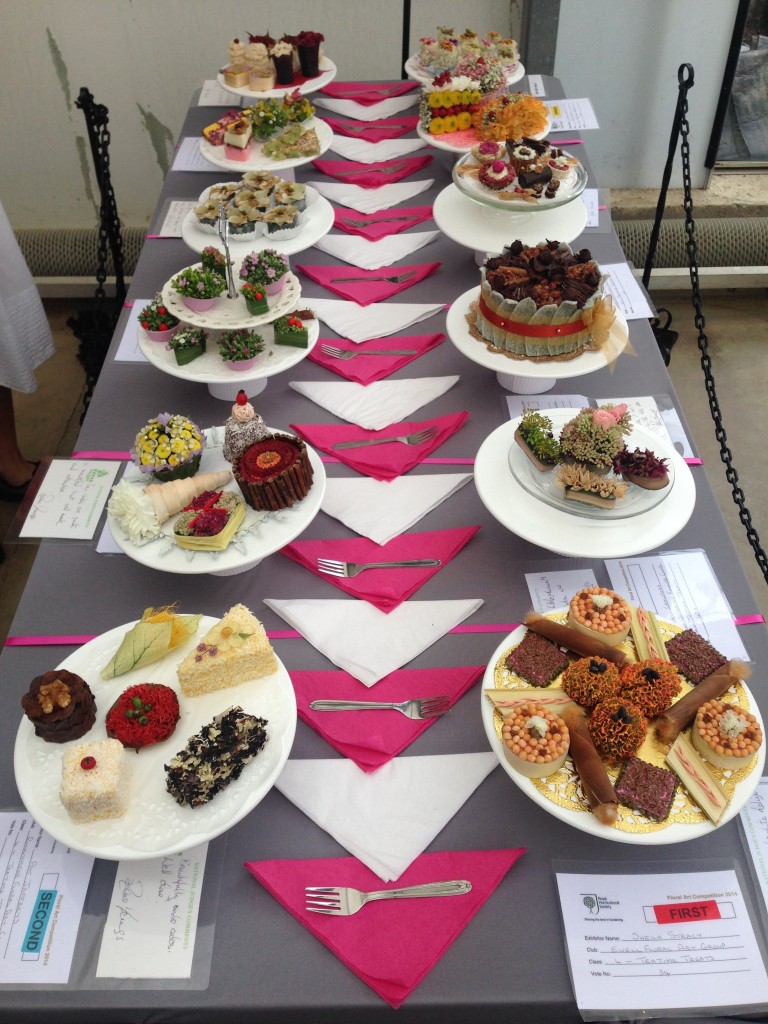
(737, 332)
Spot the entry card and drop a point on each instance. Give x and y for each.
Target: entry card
(70, 500)
(571, 115)
(643, 943)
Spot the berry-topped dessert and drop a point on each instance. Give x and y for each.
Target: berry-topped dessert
(497, 175)
(209, 521)
(274, 473)
(242, 428)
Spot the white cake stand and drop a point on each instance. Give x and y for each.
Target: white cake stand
(523, 376)
(418, 73)
(328, 71)
(257, 161)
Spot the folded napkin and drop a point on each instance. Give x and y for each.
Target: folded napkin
(372, 175)
(388, 817)
(350, 320)
(368, 200)
(368, 93)
(382, 510)
(384, 588)
(371, 152)
(374, 255)
(370, 112)
(376, 406)
(365, 642)
(379, 225)
(417, 933)
(367, 286)
(376, 131)
(365, 369)
(381, 461)
(371, 738)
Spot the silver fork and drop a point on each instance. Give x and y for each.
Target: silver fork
(333, 567)
(342, 901)
(417, 438)
(374, 220)
(383, 170)
(347, 353)
(417, 708)
(392, 278)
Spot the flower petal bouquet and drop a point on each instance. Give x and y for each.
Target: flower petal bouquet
(155, 317)
(267, 117)
(240, 344)
(169, 447)
(265, 267)
(196, 283)
(596, 435)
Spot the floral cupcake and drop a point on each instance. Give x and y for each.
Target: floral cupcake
(169, 447)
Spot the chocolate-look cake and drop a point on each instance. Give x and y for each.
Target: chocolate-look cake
(694, 656)
(274, 473)
(60, 705)
(537, 660)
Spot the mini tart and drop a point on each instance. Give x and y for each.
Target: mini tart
(617, 728)
(142, 715)
(650, 685)
(210, 521)
(486, 152)
(496, 176)
(597, 611)
(535, 741)
(274, 473)
(591, 680)
(726, 735)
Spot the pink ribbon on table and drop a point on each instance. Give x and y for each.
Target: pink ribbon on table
(384, 172)
(101, 455)
(365, 369)
(374, 131)
(74, 640)
(748, 620)
(384, 222)
(368, 93)
(367, 286)
(694, 462)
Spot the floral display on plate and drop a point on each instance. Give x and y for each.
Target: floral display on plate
(258, 159)
(228, 313)
(444, 52)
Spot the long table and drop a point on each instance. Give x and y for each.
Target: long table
(510, 963)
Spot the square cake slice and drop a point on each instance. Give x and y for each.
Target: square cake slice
(537, 660)
(234, 651)
(93, 781)
(646, 788)
(694, 656)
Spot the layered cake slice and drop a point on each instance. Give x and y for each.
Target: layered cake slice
(236, 650)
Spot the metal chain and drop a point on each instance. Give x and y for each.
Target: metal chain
(706, 362)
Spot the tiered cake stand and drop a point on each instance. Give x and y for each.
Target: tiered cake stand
(418, 73)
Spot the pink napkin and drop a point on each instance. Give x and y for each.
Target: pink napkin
(366, 369)
(368, 93)
(372, 175)
(368, 286)
(417, 932)
(384, 588)
(377, 131)
(385, 222)
(371, 738)
(381, 461)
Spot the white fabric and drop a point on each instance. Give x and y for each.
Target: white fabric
(368, 255)
(371, 152)
(377, 320)
(381, 509)
(374, 406)
(375, 112)
(25, 335)
(370, 200)
(386, 818)
(366, 642)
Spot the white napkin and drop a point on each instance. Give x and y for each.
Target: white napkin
(386, 818)
(368, 255)
(370, 200)
(366, 642)
(371, 152)
(377, 320)
(380, 509)
(374, 406)
(375, 112)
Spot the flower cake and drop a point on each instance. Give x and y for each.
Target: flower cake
(236, 650)
(60, 705)
(274, 473)
(210, 521)
(591, 680)
(94, 783)
(535, 741)
(600, 613)
(650, 685)
(726, 735)
(188, 344)
(143, 714)
(169, 447)
(617, 728)
(541, 302)
(290, 330)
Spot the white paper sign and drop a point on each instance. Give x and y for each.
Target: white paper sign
(590, 198)
(536, 85)
(177, 211)
(626, 291)
(70, 500)
(517, 405)
(128, 350)
(214, 95)
(189, 158)
(42, 891)
(152, 918)
(571, 115)
(754, 818)
(552, 590)
(653, 942)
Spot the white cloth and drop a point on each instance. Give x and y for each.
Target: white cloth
(375, 112)
(25, 334)
(366, 642)
(370, 200)
(368, 255)
(374, 406)
(382, 509)
(377, 320)
(371, 152)
(386, 818)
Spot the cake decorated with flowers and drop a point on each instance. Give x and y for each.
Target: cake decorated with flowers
(143, 714)
(168, 447)
(274, 473)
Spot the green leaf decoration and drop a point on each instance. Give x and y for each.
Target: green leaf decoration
(147, 642)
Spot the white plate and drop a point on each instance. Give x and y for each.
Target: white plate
(316, 222)
(570, 189)
(154, 825)
(260, 535)
(457, 329)
(583, 819)
(327, 74)
(565, 534)
(228, 314)
(486, 229)
(444, 141)
(257, 161)
(418, 73)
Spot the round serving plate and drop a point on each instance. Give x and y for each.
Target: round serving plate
(154, 825)
(261, 535)
(418, 73)
(328, 72)
(560, 795)
(228, 314)
(571, 187)
(257, 161)
(566, 533)
(462, 142)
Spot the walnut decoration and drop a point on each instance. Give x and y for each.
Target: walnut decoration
(55, 694)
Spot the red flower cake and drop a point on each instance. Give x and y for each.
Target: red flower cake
(274, 473)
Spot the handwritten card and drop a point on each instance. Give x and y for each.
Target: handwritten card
(70, 500)
(754, 819)
(552, 590)
(627, 292)
(174, 218)
(152, 918)
(189, 158)
(653, 942)
(128, 350)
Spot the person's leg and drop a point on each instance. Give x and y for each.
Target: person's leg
(15, 470)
